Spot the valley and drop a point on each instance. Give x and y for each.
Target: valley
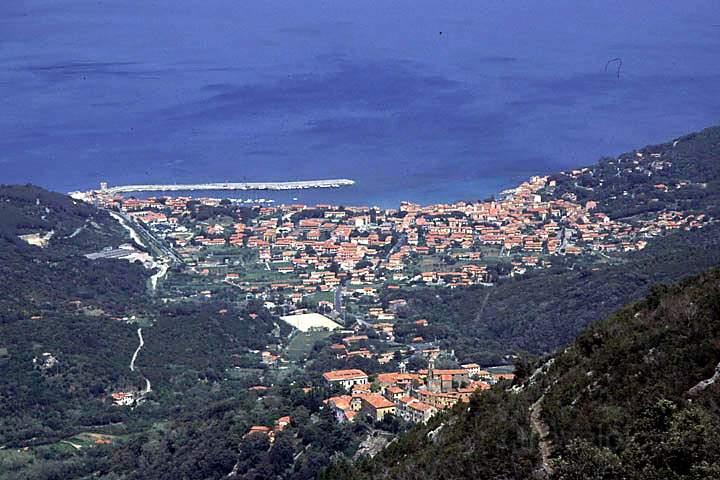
(165, 330)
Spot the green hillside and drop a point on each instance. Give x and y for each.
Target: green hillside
(38, 280)
(624, 401)
(55, 302)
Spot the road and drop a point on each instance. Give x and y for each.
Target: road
(397, 246)
(137, 350)
(133, 234)
(162, 270)
(163, 254)
(148, 387)
(153, 242)
(78, 230)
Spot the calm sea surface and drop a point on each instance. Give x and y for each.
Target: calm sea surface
(419, 100)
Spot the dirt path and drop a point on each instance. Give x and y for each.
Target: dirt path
(541, 429)
(697, 389)
(78, 230)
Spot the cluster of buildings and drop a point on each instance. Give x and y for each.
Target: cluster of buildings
(293, 253)
(270, 431)
(301, 251)
(414, 397)
(310, 249)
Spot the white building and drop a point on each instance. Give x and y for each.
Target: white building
(346, 378)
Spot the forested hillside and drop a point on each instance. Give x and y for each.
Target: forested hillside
(44, 279)
(634, 397)
(54, 300)
(683, 174)
(68, 330)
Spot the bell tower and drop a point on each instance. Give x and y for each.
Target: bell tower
(432, 383)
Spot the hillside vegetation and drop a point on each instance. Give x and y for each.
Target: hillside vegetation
(634, 397)
(42, 280)
(81, 312)
(54, 300)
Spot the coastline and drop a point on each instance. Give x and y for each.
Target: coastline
(382, 193)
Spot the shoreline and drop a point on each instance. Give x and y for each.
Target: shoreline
(361, 193)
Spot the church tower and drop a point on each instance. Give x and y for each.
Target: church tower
(433, 384)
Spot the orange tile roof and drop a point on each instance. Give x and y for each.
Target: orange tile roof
(377, 401)
(407, 399)
(259, 429)
(470, 365)
(341, 402)
(396, 377)
(361, 387)
(337, 375)
(421, 406)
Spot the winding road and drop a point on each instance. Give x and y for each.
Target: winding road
(134, 357)
(133, 234)
(162, 270)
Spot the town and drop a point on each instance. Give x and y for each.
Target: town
(325, 270)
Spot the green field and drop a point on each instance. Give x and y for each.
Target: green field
(35, 462)
(302, 344)
(242, 373)
(315, 298)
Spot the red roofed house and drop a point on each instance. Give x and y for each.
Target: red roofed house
(413, 410)
(376, 406)
(270, 432)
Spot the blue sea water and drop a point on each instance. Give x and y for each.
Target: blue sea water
(415, 100)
